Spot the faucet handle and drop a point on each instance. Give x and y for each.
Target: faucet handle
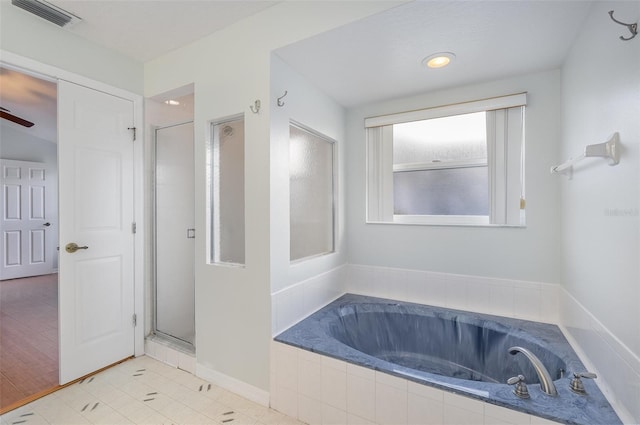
(515, 379)
(576, 384)
(521, 387)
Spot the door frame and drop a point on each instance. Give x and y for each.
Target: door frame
(52, 73)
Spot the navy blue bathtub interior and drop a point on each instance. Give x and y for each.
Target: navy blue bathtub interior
(456, 351)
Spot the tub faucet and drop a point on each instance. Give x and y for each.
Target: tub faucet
(546, 383)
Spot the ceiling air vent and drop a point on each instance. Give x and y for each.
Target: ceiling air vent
(48, 11)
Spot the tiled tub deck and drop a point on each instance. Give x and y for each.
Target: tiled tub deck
(319, 379)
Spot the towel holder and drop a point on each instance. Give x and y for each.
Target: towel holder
(608, 149)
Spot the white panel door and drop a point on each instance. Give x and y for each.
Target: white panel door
(28, 219)
(96, 295)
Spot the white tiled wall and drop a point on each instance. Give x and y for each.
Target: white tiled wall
(296, 302)
(502, 297)
(605, 355)
(321, 390)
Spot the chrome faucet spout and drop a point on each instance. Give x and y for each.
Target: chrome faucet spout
(546, 383)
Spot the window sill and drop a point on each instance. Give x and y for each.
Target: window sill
(444, 220)
(449, 220)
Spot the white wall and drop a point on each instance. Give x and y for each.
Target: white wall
(600, 205)
(526, 254)
(233, 304)
(306, 105)
(27, 35)
(20, 146)
(299, 289)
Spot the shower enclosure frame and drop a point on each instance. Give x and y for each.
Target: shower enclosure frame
(177, 342)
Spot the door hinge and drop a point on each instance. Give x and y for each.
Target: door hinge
(135, 320)
(134, 132)
(134, 227)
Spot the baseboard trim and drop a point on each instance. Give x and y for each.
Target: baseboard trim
(234, 385)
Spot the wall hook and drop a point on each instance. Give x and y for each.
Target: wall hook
(255, 109)
(280, 102)
(632, 27)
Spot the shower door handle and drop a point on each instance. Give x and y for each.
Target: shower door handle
(191, 233)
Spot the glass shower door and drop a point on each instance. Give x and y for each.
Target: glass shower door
(174, 233)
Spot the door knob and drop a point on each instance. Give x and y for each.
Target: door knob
(47, 224)
(73, 247)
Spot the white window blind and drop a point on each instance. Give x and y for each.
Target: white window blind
(504, 161)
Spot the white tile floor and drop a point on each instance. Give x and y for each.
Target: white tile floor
(144, 391)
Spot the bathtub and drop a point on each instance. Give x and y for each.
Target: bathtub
(455, 351)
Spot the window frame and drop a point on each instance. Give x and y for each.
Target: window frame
(213, 194)
(505, 162)
(334, 191)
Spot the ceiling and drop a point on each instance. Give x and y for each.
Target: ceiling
(380, 57)
(32, 99)
(369, 60)
(156, 26)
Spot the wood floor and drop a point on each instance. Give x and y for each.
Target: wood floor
(28, 337)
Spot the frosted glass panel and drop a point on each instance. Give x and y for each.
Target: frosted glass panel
(227, 173)
(458, 137)
(457, 191)
(311, 194)
(174, 211)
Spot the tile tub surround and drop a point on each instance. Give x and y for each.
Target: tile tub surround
(462, 292)
(617, 367)
(489, 295)
(321, 390)
(313, 334)
(605, 355)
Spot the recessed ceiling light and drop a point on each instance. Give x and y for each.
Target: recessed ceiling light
(438, 60)
(172, 102)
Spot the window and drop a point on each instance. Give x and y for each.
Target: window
(311, 191)
(227, 191)
(458, 164)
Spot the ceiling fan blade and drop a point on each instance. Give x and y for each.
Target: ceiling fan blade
(15, 119)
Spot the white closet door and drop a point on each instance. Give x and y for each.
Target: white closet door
(28, 219)
(96, 295)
